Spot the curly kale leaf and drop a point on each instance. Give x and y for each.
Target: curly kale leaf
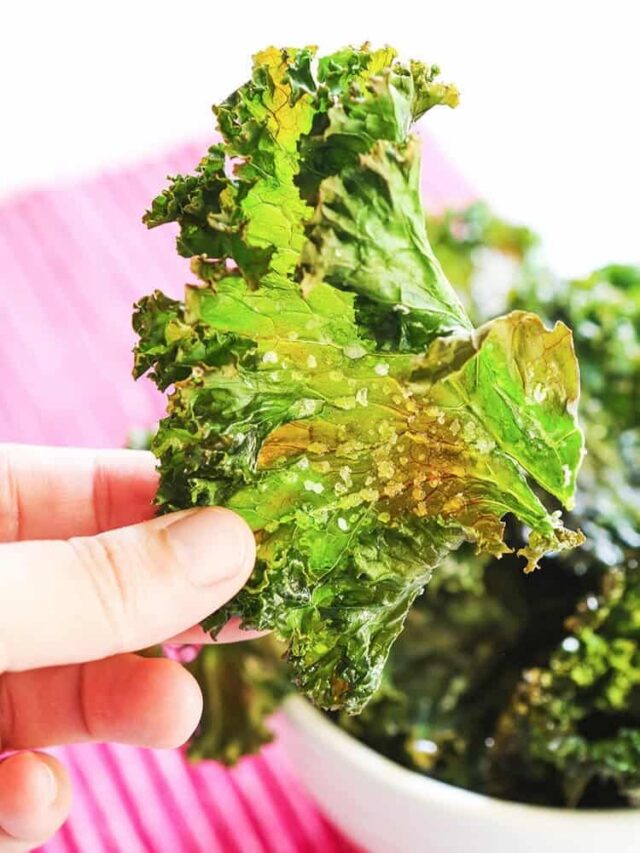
(604, 312)
(572, 729)
(327, 383)
(450, 672)
(576, 721)
(484, 257)
(530, 690)
(242, 685)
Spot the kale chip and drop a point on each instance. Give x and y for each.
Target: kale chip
(325, 380)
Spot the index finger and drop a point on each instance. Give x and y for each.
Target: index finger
(86, 598)
(59, 492)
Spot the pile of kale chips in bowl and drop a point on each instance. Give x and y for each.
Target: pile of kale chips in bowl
(525, 687)
(337, 378)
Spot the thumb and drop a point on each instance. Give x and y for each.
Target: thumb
(87, 598)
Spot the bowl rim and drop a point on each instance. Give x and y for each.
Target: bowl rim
(301, 713)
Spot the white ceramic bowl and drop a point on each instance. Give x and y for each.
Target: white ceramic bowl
(389, 809)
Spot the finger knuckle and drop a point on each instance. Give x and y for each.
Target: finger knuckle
(105, 562)
(101, 497)
(10, 500)
(7, 714)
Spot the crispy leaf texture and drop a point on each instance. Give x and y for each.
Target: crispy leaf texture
(325, 380)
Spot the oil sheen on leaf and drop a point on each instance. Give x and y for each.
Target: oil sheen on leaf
(326, 382)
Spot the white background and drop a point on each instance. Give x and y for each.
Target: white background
(548, 129)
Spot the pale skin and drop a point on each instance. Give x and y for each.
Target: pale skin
(87, 577)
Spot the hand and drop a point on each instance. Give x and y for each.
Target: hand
(75, 601)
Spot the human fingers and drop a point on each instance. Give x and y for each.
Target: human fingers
(152, 702)
(58, 492)
(87, 598)
(35, 796)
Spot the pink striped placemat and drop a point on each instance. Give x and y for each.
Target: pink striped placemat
(72, 262)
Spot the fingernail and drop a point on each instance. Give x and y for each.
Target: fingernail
(214, 544)
(48, 782)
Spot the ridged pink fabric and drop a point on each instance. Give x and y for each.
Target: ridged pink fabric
(72, 262)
